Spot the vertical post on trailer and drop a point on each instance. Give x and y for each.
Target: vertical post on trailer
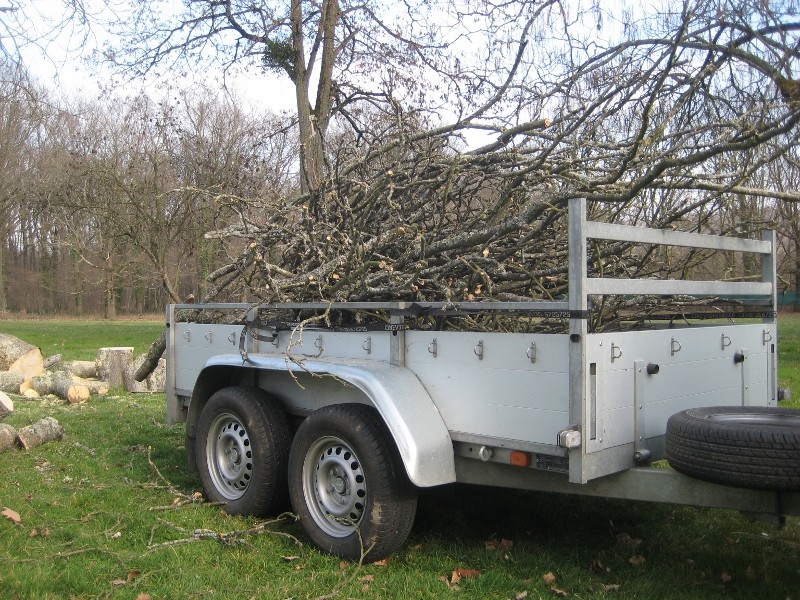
(173, 404)
(578, 328)
(769, 273)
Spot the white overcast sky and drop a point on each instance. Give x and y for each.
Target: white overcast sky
(60, 62)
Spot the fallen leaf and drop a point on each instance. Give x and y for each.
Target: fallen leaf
(11, 515)
(143, 596)
(367, 578)
(460, 573)
(636, 559)
(627, 540)
(725, 577)
(750, 572)
(118, 582)
(364, 588)
(467, 572)
(290, 558)
(598, 567)
(342, 565)
(381, 563)
(548, 578)
(521, 596)
(611, 587)
(133, 575)
(559, 593)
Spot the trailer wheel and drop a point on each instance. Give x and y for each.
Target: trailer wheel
(242, 450)
(348, 485)
(754, 447)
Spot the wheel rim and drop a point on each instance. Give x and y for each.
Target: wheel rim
(334, 486)
(230, 456)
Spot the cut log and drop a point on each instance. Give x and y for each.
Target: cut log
(95, 387)
(111, 364)
(154, 382)
(6, 406)
(10, 382)
(85, 369)
(41, 432)
(51, 361)
(62, 385)
(16, 355)
(7, 436)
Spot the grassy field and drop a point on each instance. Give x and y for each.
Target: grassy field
(111, 512)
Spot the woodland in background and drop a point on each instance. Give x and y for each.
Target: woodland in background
(419, 164)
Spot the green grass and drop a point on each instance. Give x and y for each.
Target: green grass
(789, 355)
(79, 340)
(103, 516)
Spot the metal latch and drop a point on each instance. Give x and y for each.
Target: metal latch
(569, 438)
(254, 328)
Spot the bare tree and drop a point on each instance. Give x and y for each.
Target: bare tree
(689, 105)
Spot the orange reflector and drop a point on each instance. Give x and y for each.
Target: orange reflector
(519, 459)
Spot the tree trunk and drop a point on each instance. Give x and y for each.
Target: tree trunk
(41, 432)
(110, 297)
(3, 303)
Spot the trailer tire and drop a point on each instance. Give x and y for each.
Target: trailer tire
(348, 485)
(754, 447)
(242, 450)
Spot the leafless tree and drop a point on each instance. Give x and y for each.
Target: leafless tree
(687, 108)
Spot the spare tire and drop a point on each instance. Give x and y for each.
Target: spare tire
(755, 447)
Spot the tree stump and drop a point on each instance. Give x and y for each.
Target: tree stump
(16, 355)
(6, 406)
(7, 436)
(41, 432)
(111, 364)
(10, 382)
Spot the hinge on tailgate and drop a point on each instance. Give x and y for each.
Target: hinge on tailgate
(570, 437)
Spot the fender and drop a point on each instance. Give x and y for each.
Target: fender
(417, 427)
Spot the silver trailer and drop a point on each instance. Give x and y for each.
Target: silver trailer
(350, 419)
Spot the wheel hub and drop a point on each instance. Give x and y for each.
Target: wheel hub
(335, 486)
(230, 456)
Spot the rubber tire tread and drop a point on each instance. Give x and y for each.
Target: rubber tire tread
(267, 425)
(391, 499)
(739, 450)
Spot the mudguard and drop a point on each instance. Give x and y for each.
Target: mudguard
(414, 422)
